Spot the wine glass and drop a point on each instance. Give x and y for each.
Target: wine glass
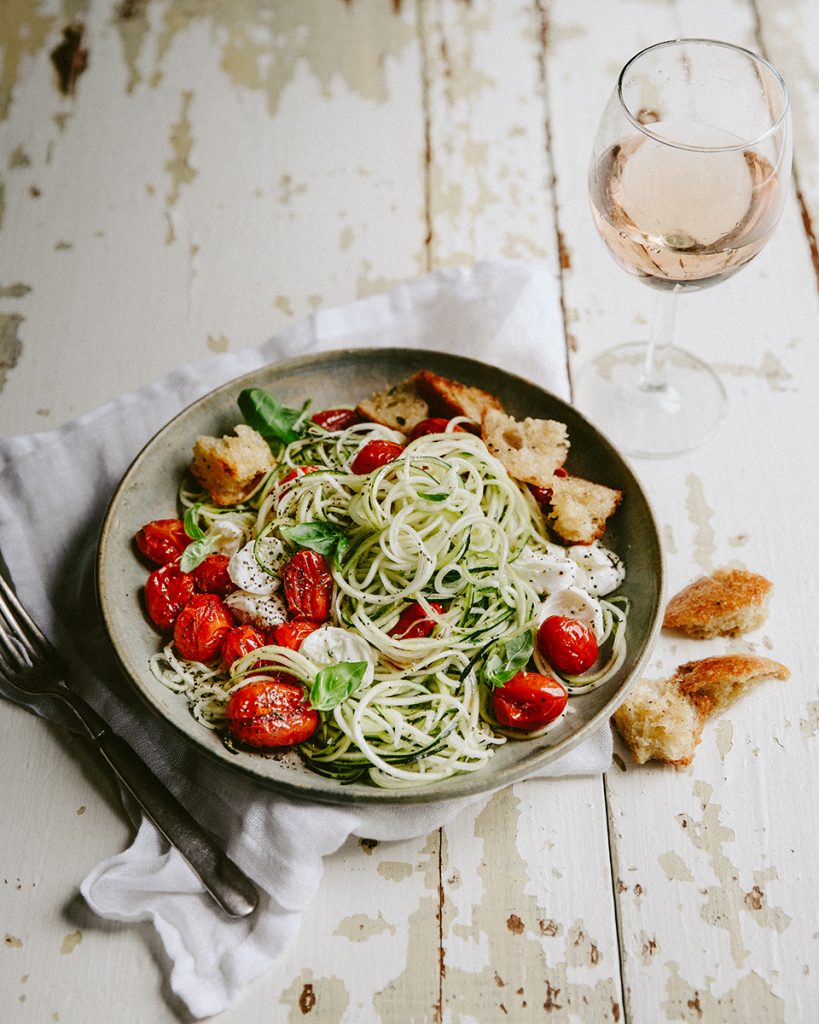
(688, 177)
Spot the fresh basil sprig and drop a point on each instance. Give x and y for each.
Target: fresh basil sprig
(326, 538)
(334, 684)
(196, 552)
(506, 658)
(270, 418)
(191, 522)
(440, 496)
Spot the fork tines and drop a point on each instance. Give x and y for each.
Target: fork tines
(20, 636)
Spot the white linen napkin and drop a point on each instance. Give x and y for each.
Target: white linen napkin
(54, 489)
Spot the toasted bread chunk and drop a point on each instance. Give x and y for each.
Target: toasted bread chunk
(658, 722)
(663, 718)
(230, 468)
(580, 508)
(531, 450)
(730, 602)
(400, 407)
(722, 679)
(451, 398)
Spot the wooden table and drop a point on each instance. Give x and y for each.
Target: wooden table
(183, 177)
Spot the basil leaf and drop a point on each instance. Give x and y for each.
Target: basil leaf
(270, 418)
(326, 538)
(433, 497)
(196, 553)
(191, 522)
(334, 684)
(506, 658)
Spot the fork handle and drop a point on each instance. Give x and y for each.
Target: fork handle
(224, 880)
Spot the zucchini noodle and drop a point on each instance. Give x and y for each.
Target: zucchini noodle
(443, 526)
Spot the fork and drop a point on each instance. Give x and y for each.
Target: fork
(32, 674)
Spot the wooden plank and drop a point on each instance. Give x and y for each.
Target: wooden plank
(714, 865)
(527, 910)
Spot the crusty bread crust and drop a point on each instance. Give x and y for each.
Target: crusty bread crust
(230, 468)
(451, 398)
(722, 679)
(730, 602)
(662, 719)
(400, 407)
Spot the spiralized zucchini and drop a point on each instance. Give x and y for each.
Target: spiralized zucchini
(444, 524)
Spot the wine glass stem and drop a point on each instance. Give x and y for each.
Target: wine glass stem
(655, 368)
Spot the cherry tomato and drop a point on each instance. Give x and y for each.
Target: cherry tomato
(268, 713)
(336, 419)
(291, 634)
(239, 641)
(167, 591)
(529, 701)
(201, 626)
(308, 586)
(163, 540)
(211, 576)
(374, 454)
(543, 495)
(413, 622)
(570, 646)
(433, 425)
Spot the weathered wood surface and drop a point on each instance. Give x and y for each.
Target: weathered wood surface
(209, 172)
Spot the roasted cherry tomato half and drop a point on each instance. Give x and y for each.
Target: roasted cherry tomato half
(201, 626)
(374, 454)
(414, 623)
(292, 634)
(433, 425)
(336, 419)
(308, 586)
(239, 641)
(163, 540)
(167, 591)
(543, 495)
(567, 644)
(211, 576)
(267, 713)
(529, 701)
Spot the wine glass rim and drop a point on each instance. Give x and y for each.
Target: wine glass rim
(755, 57)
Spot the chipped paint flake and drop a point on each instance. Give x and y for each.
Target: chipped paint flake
(751, 1000)
(10, 344)
(218, 344)
(394, 870)
(14, 291)
(809, 725)
(12, 942)
(70, 58)
(360, 928)
(131, 18)
(327, 996)
(23, 33)
(70, 942)
(178, 166)
(674, 867)
(699, 514)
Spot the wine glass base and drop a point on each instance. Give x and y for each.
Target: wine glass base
(651, 423)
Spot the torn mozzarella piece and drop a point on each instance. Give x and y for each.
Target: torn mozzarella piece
(547, 571)
(329, 645)
(227, 534)
(599, 570)
(262, 610)
(574, 603)
(246, 572)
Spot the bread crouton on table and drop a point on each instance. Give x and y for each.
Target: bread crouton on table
(662, 719)
(230, 468)
(400, 407)
(730, 602)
